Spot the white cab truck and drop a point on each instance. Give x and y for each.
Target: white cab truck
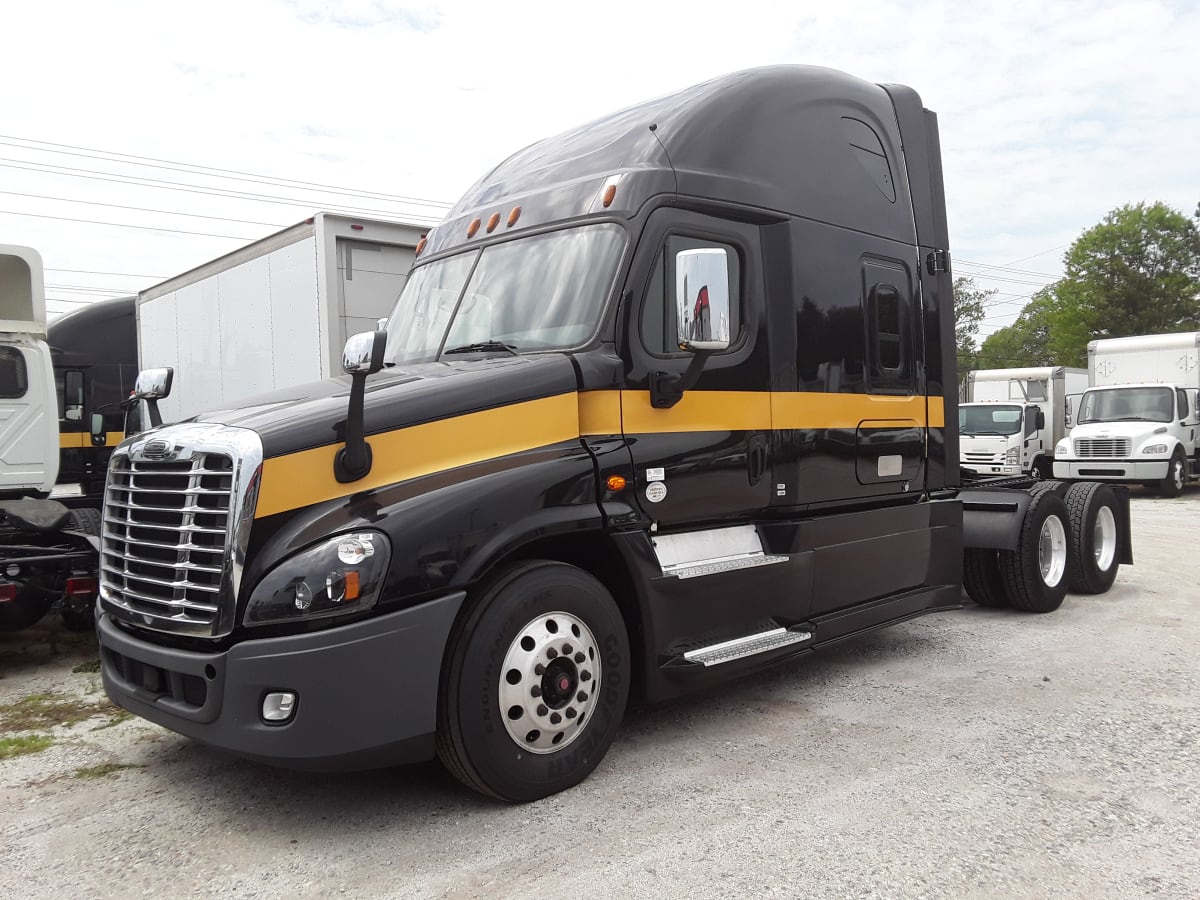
(275, 313)
(48, 553)
(1014, 418)
(1138, 421)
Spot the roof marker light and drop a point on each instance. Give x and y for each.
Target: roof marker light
(472, 228)
(420, 246)
(356, 227)
(610, 194)
(513, 216)
(493, 221)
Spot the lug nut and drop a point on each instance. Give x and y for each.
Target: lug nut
(579, 657)
(542, 709)
(555, 719)
(551, 652)
(582, 696)
(539, 669)
(566, 651)
(570, 712)
(585, 675)
(535, 691)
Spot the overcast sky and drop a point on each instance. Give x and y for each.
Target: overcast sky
(1051, 114)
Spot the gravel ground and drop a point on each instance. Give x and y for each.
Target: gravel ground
(978, 753)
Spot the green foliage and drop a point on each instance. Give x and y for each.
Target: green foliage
(970, 305)
(1137, 272)
(24, 743)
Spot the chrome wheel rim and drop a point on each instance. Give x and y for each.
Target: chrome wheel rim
(1104, 538)
(1052, 551)
(1177, 473)
(548, 682)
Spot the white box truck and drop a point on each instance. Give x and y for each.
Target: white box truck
(1014, 418)
(1138, 421)
(273, 314)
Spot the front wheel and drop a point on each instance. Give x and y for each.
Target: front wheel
(1172, 485)
(535, 682)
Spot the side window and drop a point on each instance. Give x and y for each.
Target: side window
(14, 379)
(1181, 397)
(73, 396)
(889, 339)
(660, 313)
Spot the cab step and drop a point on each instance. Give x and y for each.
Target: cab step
(698, 553)
(749, 645)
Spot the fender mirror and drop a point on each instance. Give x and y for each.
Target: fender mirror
(363, 356)
(152, 385)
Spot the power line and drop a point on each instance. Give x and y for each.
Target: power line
(970, 262)
(159, 184)
(167, 212)
(1042, 253)
(229, 174)
(231, 237)
(1005, 278)
(84, 289)
(92, 272)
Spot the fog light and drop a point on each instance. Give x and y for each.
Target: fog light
(278, 706)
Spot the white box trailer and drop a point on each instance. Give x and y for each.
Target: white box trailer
(1013, 418)
(275, 313)
(1139, 419)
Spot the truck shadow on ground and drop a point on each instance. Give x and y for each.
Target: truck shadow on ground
(277, 803)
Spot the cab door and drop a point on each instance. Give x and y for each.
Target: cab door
(697, 421)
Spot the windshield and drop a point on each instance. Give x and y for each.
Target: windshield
(989, 419)
(1148, 404)
(542, 292)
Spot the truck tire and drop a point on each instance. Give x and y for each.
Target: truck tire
(25, 609)
(1095, 538)
(1035, 574)
(981, 578)
(87, 520)
(1172, 485)
(534, 683)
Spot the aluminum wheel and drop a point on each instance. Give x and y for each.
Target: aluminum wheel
(1052, 550)
(550, 675)
(1104, 538)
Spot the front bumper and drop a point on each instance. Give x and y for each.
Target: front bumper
(367, 692)
(1111, 470)
(992, 469)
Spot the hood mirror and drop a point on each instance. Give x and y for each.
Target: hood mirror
(363, 356)
(153, 385)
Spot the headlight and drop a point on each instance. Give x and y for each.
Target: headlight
(1013, 456)
(1063, 448)
(1155, 449)
(343, 575)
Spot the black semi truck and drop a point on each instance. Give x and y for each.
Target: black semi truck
(666, 399)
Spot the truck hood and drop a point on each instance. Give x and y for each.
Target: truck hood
(314, 415)
(1136, 431)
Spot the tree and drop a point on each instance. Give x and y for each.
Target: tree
(1137, 272)
(970, 304)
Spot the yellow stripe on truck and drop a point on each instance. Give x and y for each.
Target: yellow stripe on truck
(70, 440)
(306, 477)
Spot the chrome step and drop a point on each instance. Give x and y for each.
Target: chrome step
(696, 553)
(727, 651)
(711, 567)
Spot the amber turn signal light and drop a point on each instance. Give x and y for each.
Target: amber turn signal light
(616, 482)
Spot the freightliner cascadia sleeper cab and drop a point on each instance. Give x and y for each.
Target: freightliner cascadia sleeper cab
(665, 399)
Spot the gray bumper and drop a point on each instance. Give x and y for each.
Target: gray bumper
(1111, 470)
(367, 692)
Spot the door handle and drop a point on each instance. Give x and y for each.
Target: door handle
(756, 458)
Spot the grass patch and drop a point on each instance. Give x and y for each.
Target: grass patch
(101, 770)
(22, 744)
(116, 718)
(48, 710)
(92, 665)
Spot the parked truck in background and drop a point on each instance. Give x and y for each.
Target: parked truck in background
(1014, 418)
(275, 313)
(666, 400)
(94, 353)
(1139, 420)
(48, 553)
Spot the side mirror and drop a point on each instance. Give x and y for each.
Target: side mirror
(152, 385)
(1041, 419)
(364, 353)
(381, 324)
(99, 436)
(702, 299)
(363, 356)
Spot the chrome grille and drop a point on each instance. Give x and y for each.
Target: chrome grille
(978, 456)
(177, 513)
(1102, 447)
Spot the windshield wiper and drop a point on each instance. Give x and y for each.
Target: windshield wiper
(483, 347)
